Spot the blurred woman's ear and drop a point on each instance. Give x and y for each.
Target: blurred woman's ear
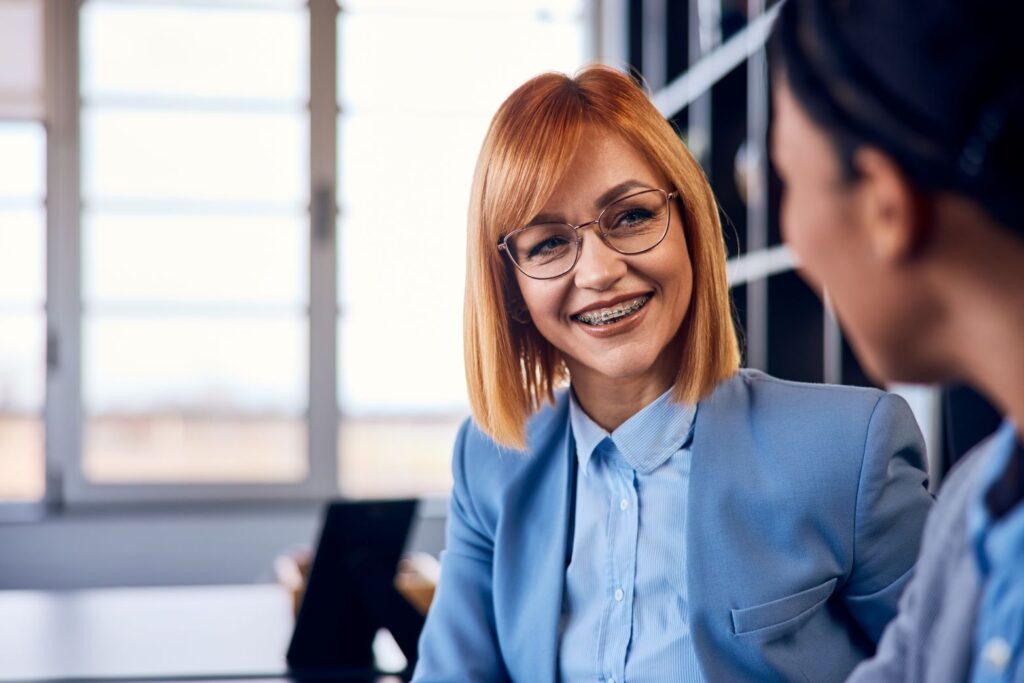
(891, 210)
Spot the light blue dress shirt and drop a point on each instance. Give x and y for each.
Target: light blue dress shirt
(999, 550)
(624, 612)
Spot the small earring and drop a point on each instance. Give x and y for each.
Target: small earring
(518, 312)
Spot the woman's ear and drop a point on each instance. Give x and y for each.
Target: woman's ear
(518, 311)
(893, 213)
(516, 304)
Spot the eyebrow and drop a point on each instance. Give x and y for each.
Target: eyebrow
(604, 200)
(614, 193)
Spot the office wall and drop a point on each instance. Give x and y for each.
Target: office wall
(135, 547)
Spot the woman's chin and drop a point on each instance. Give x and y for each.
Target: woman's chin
(626, 370)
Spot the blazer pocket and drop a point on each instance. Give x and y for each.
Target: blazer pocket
(784, 612)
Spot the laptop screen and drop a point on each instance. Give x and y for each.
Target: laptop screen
(350, 592)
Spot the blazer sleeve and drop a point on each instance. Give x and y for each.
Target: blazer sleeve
(906, 651)
(458, 642)
(892, 659)
(892, 506)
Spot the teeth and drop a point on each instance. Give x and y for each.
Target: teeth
(606, 316)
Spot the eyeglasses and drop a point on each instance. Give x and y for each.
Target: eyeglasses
(630, 225)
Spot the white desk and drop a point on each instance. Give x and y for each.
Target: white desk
(124, 633)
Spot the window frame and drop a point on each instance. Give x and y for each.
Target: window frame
(66, 480)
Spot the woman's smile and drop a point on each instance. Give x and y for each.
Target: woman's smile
(607, 313)
(613, 318)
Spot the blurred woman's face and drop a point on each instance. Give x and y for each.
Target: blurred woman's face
(613, 316)
(831, 224)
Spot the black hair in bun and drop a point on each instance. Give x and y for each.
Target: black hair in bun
(938, 84)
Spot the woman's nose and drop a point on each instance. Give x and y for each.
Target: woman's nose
(599, 266)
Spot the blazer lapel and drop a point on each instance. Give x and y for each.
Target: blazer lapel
(534, 553)
(718, 438)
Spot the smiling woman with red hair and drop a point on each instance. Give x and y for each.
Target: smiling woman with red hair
(628, 505)
(512, 367)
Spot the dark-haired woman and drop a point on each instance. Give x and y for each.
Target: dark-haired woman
(899, 135)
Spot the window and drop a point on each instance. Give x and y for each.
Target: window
(23, 254)
(414, 111)
(204, 330)
(195, 250)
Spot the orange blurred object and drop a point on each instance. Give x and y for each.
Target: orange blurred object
(416, 579)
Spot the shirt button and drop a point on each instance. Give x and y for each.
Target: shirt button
(623, 504)
(996, 654)
(619, 595)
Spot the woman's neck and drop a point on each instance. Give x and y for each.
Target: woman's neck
(990, 350)
(985, 335)
(610, 401)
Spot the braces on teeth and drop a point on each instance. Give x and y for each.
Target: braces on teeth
(610, 315)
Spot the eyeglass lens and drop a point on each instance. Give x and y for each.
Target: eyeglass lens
(629, 225)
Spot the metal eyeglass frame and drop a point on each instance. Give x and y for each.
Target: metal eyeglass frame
(669, 196)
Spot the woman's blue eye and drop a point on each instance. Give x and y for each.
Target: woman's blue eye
(633, 217)
(547, 245)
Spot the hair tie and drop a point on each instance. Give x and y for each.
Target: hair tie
(990, 126)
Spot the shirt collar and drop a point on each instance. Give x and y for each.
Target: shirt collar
(646, 440)
(1004, 448)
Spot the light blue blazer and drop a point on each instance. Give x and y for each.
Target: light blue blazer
(806, 508)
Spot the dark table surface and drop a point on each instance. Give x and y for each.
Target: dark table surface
(193, 633)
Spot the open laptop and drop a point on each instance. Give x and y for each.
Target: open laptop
(350, 593)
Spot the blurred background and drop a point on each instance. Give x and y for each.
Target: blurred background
(232, 257)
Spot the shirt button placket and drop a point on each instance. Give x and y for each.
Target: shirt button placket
(630, 505)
